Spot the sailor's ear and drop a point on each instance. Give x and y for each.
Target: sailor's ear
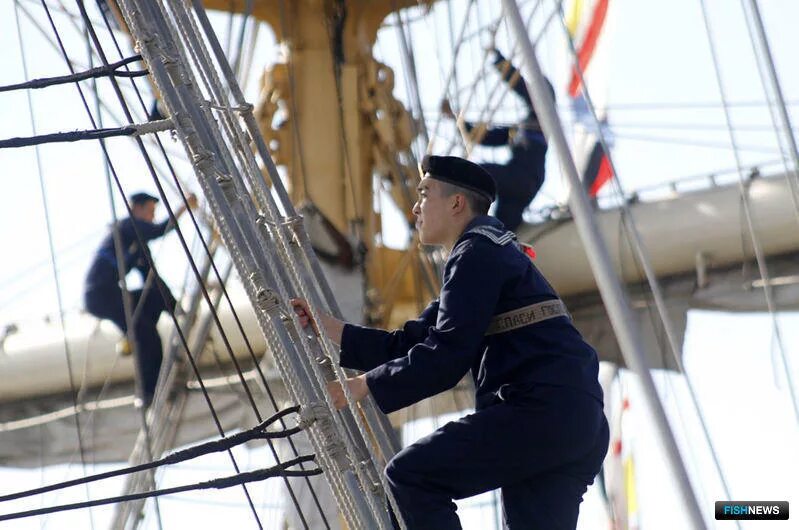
(459, 202)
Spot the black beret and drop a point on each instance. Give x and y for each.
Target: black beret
(142, 198)
(460, 172)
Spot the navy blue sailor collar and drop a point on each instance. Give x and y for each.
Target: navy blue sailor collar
(481, 221)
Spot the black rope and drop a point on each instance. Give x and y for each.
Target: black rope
(259, 432)
(278, 470)
(93, 73)
(73, 136)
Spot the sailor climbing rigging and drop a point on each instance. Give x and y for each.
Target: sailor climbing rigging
(103, 295)
(539, 432)
(519, 180)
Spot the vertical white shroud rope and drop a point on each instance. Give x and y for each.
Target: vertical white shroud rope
(610, 288)
(293, 247)
(262, 242)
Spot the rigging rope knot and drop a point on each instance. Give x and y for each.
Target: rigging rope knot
(159, 51)
(154, 127)
(183, 121)
(292, 221)
(225, 181)
(202, 160)
(268, 227)
(265, 298)
(326, 366)
(146, 40)
(228, 187)
(319, 413)
(263, 220)
(312, 412)
(367, 470)
(217, 106)
(335, 449)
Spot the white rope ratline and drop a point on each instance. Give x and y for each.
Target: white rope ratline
(237, 205)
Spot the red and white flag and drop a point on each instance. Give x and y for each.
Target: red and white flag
(590, 26)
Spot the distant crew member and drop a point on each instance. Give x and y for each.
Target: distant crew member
(103, 293)
(519, 180)
(539, 431)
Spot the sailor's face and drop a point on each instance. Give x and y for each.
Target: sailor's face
(145, 212)
(430, 211)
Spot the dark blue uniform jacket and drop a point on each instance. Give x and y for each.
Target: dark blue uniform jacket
(104, 270)
(432, 353)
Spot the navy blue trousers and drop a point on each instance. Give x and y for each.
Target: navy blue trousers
(543, 449)
(106, 302)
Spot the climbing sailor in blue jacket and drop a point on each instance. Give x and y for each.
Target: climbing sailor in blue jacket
(103, 293)
(521, 177)
(538, 431)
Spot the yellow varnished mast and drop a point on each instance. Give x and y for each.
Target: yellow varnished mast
(338, 126)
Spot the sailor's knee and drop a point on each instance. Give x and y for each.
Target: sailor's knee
(398, 470)
(95, 304)
(392, 471)
(406, 468)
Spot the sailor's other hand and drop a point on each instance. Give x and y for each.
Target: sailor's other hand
(446, 109)
(333, 327)
(303, 312)
(357, 386)
(191, 200)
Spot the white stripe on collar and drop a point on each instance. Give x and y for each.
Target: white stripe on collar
(497, 236)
